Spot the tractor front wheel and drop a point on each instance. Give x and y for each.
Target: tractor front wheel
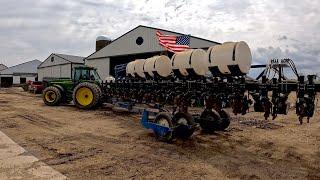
(86, 95)
(51, 96)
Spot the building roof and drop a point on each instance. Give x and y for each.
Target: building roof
(29, 67)
(61, 59)
(2, 67)
(126, 44)
(71, 58)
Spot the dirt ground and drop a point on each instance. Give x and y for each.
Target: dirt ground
(100, 144)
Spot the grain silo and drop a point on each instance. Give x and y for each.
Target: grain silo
(101, 42)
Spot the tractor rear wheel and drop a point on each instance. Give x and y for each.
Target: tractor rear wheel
(86, 95)
(51, 96)
(101, 98)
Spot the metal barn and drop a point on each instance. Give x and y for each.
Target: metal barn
(19, 74)
(139, 43)
(58, 66)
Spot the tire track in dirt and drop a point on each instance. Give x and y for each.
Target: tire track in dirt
(101, 144)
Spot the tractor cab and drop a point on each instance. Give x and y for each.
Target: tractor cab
(85, 73)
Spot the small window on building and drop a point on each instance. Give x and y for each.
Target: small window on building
(52, 59)
(139, 41)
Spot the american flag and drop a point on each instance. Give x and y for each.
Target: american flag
(174, 43)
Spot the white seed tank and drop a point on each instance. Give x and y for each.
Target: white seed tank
(232, 58)
(190, 62)
(138, 67)
(110, 79)
(212, 65)
(130, 68)
(160, 65)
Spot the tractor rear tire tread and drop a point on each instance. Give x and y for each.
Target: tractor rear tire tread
(101, 98)
(96, 91)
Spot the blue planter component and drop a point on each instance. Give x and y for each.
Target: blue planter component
(157, 129)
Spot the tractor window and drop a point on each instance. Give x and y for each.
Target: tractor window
(77, 75)
(82, 74)
(85, 74)
(94, 75)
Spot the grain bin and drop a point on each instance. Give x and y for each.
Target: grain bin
(190, 63)
(158, 66)
(101, 42)
(231, 58)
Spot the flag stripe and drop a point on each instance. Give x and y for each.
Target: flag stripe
(168, 42)
(177, 46)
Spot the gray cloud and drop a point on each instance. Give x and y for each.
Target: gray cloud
(305, 60)
(281, 38)
(32, 29)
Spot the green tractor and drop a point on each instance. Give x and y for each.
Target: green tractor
(84, 89)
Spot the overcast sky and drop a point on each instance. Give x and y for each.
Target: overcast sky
(33, 29)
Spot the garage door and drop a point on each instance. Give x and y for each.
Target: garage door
(6, 81)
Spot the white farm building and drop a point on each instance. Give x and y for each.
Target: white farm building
(19, 74)
(58, 66)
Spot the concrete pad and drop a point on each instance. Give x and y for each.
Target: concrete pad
(17, 163)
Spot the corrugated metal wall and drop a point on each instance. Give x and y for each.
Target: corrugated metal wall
(59, 71)
(16, 79)
(102, 65)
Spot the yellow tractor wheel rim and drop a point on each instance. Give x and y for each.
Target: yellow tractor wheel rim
(84, 96)
(50, 96)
